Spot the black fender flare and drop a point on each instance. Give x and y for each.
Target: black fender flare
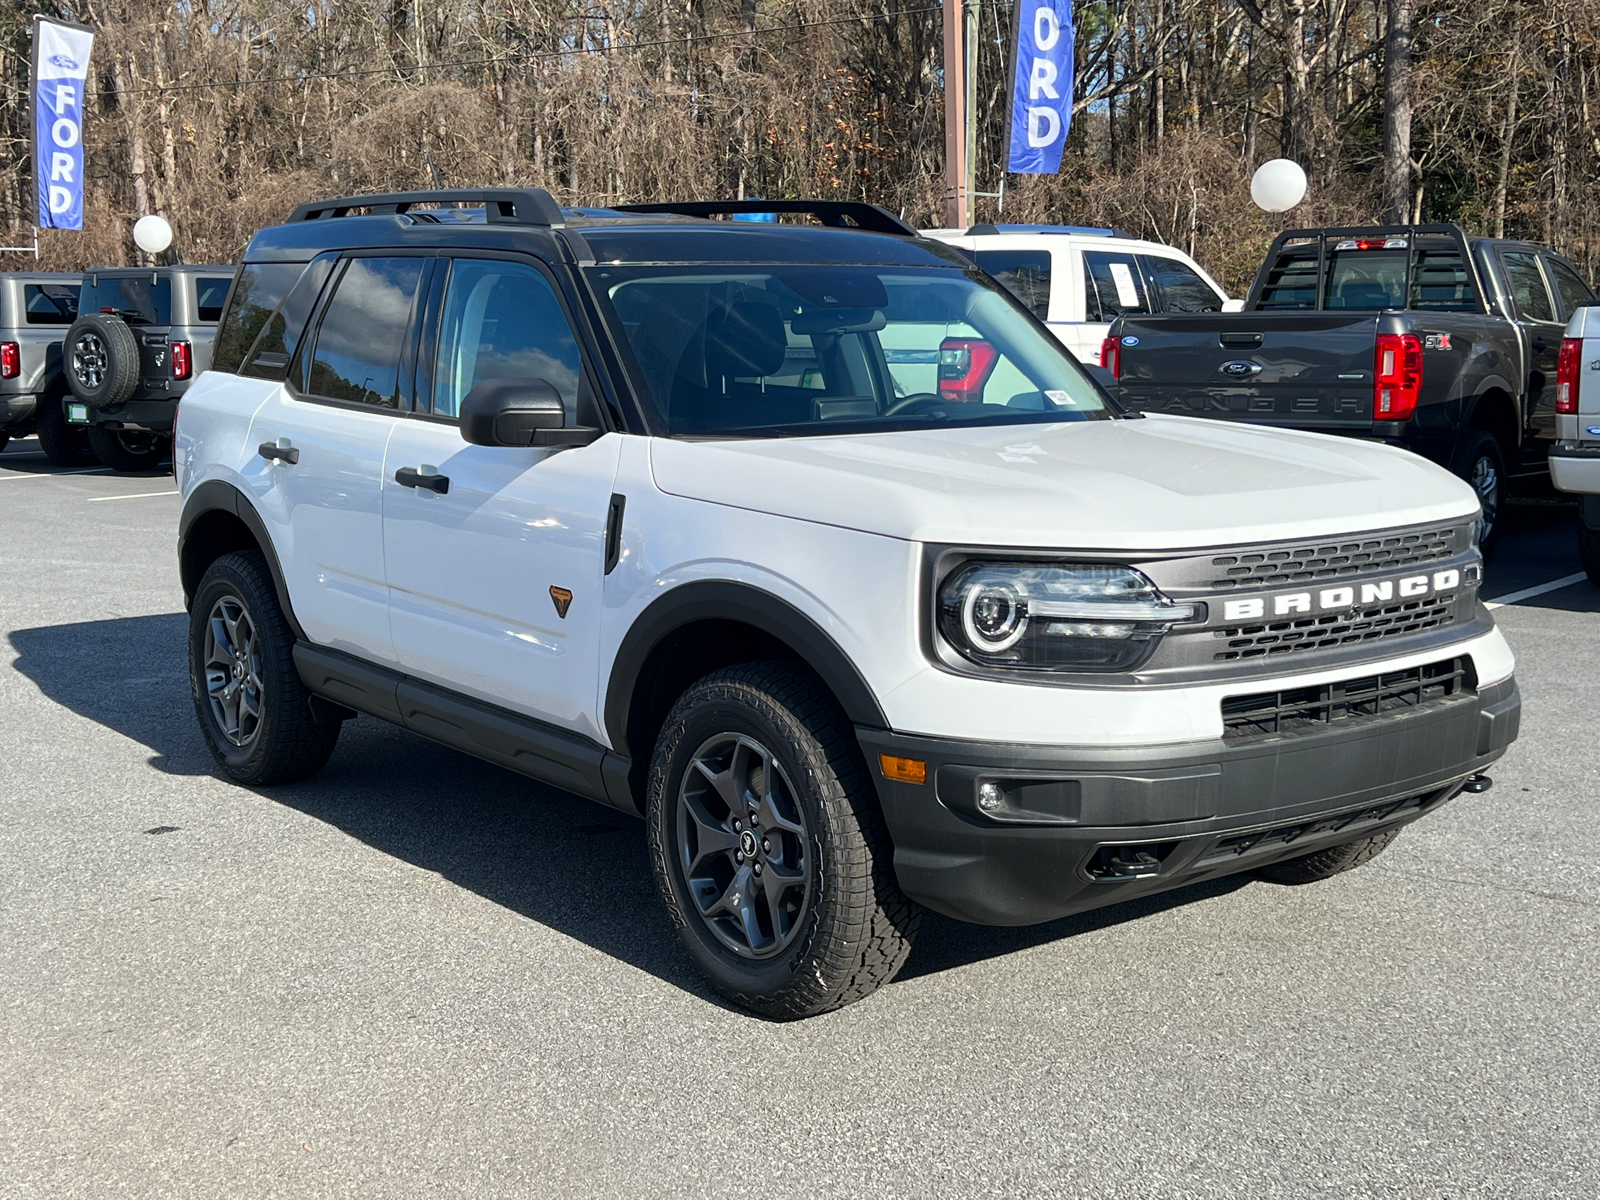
(216, 495)
(749, 605)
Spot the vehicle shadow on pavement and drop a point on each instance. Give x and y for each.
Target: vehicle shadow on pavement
(545, 854)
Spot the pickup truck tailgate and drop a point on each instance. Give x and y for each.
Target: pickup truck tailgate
(1300, 369)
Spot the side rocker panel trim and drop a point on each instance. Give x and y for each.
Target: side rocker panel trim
(718, 600)
(217, 496)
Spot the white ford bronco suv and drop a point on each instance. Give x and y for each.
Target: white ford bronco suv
(810, 545)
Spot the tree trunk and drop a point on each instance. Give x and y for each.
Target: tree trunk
(1397, 193)
(130, 116)
(1508, 133)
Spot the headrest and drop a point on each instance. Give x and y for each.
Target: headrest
(744, 339)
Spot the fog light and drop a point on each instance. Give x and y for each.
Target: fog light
(989, 796)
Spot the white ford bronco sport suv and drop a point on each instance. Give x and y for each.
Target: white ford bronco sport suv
(811, 546)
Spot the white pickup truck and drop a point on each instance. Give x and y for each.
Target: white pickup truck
(1575, 458)
(809, 546)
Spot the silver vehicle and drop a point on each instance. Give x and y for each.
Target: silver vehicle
(1575, 457)
(35, 309)
(141, 336)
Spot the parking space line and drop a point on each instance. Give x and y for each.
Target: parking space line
(57, 474)
(1529, 593)
(131, 496)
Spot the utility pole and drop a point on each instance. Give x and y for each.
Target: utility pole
(957, 196)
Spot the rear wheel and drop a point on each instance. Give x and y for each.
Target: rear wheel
(1481, 463)
(254, 711)
(1333, 861)
(768, 847)
(63, 444)
(128, 449)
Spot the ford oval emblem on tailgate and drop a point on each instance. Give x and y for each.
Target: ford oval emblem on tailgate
(1240, 368)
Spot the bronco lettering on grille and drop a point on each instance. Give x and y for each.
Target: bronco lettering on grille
(1338, 599)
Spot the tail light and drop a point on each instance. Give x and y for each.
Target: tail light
(1567, 375)
(180, 360)
(1111, 355)
(964, 367)
(10, 360)
(1399, 376)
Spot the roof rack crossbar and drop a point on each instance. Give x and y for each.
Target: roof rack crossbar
(838, 214)
(502, 206)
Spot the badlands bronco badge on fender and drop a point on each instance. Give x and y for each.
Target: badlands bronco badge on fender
(1341, 597)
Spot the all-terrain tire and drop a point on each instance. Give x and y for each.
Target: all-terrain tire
(1589, 552)
(63, 444)
(1333, 861)
(235, 622)
(853, 928)
(130, 450)
(1481, 462)
(100, 359)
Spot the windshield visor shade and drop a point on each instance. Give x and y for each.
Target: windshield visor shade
(769, 351)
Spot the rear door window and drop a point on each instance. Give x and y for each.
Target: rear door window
(364, 330)
(1574, 292)
(1023, 273)
(1179, 286)
(1528, 291)
(137, 299)
(1113, 286)
(50, 303)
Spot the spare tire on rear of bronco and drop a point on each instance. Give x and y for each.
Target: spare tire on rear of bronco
(100, 359)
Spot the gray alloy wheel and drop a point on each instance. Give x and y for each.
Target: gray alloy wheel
(90, 361)
(742, 845)
(1485, 481)
(1481, 462)
(233, 671)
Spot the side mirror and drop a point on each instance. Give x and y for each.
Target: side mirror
(519, 412)
(1232, 306)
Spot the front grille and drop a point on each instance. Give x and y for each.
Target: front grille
(1306, 709)
(1277, 566)
(1337, 629)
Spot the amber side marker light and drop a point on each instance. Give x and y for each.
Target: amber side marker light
(903, 770)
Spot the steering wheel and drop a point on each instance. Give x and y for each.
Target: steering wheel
(916, 404)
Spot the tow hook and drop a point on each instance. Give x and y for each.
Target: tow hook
(1133, 864)
(1477, 784)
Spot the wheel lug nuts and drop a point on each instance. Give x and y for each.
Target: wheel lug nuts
(738, 826)
(738, 858)
(766, 845)
(758, 868)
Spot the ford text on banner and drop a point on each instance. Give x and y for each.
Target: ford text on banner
(60, 67)
(1041, 92)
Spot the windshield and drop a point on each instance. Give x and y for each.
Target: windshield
(783, 351)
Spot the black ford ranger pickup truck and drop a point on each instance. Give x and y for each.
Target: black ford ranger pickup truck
(1415, 335)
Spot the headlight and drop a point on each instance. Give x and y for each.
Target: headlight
(1043, 617)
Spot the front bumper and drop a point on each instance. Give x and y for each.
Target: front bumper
(1075, 827)
(1575, 467)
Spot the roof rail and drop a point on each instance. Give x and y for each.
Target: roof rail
(1082, 230)
(502, 206)
(838, 214)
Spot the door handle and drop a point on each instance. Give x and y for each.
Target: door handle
(412, 478)
(1538, 343)
(279, 451)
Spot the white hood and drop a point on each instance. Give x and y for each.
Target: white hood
(1160, 483)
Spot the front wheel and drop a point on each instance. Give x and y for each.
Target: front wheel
(254, 711)
(128, 449)
(1333, 861)
(768, 847)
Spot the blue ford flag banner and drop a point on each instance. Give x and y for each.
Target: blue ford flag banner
(1041, 91)
(60, 67)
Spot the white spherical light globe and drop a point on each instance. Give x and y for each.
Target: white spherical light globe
(152, 234)
(1278, 185)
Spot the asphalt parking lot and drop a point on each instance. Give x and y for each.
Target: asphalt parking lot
(422, 975)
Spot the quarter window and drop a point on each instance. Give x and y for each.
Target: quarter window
(50, 303)
(501, 320)
(270, 357)
(1023, 273)
(210, 294)
(261, 289)
(363, 331)
(1527, 286)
